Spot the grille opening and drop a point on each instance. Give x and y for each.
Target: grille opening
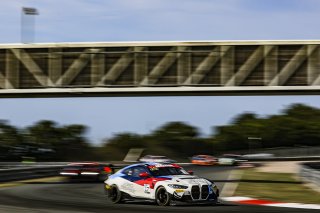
(204, 191)
(195, 192)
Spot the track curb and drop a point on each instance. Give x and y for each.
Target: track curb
(261, 202)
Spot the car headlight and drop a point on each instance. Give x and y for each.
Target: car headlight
(214, 187)
(176, 186)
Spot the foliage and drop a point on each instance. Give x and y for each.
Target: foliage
(297, 125)
(45, 140)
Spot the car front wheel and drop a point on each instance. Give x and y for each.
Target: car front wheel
(163, 198)
(114, 194)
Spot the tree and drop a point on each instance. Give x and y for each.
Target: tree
(177, 136)
(9, 135)
(301, 111)
(245, 117)
(177, 130)
(43, 133)
(68, 141)
(118, 146)
(298, 125)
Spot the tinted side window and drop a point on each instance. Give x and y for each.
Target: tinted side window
(137, 170)
(127, 171)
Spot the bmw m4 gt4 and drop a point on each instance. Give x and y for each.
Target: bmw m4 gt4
(161, 183)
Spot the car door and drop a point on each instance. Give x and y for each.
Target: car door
(125, 182)
(143, 186)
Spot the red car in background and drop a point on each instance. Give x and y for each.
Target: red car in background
(204, 160)
(87, 171)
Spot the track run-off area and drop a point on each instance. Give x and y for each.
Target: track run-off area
(59, 195)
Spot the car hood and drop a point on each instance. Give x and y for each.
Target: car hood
(188, 180)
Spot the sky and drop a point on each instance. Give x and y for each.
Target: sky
(147, 20)
(154, 20)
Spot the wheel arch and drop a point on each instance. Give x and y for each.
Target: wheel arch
(157, 187)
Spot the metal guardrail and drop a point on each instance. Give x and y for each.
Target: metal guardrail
(310, 173)
(12, 165)
(28, 173)
(299, 158)
(14, 171)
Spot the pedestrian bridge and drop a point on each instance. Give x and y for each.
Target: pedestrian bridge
(160, 68)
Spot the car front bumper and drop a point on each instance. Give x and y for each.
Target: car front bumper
(188, 196)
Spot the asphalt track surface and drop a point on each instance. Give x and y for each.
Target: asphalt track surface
(89, 197)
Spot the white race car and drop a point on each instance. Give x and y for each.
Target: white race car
(161, 183)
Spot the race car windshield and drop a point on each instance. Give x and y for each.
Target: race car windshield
(163, 171)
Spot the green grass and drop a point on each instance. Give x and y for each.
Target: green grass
(293, 191)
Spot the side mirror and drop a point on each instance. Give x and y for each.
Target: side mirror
(144, 175)
(190, 172)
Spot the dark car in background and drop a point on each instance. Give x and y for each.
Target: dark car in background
(87, 171)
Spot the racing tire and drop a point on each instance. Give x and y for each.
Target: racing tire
(163, 198)
(114, 194)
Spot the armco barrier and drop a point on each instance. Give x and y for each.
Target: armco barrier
(28, 173)
(8, 165)
(23, 172)
(310, 173)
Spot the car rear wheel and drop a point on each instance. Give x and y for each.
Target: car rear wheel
(114, 194)
(163, 198)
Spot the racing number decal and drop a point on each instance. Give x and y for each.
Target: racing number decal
(147, 188)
